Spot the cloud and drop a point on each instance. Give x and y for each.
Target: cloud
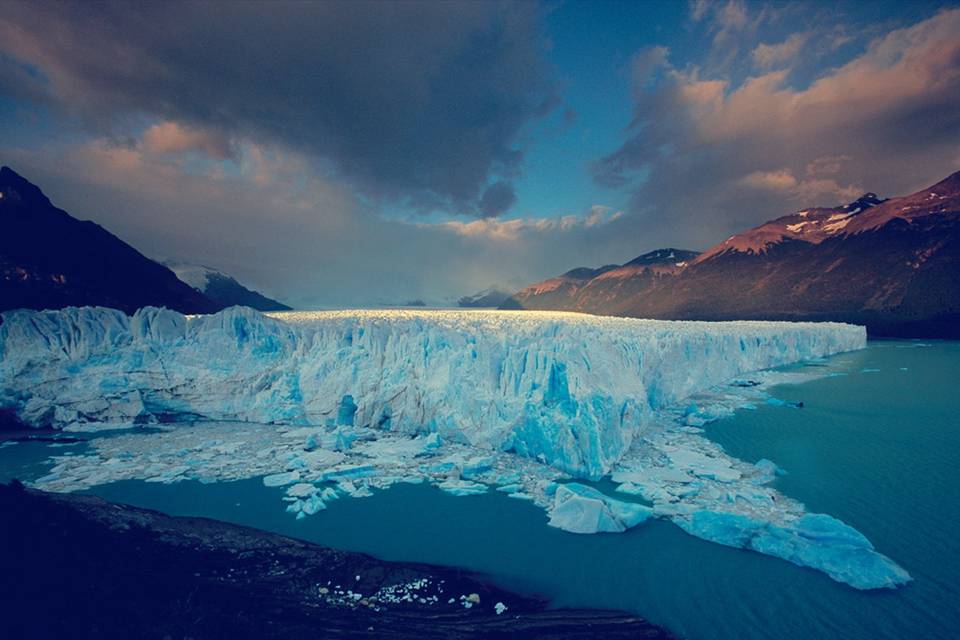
(780, 180)
(706, 156)
(325, 245)
(810, 189)
(170, 137)
(769, 56)
(646, 63)
(516, 229)
(420, 103)
(727, 24)
(497, 198)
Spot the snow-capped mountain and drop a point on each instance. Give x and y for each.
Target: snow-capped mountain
(892, 265)
(810, 225)
(223, 289)
(491, 297)
(50, 260)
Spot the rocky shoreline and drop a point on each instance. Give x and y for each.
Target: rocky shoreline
(80, 567)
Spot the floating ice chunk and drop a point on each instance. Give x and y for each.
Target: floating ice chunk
(280, 479)
(353, 490)
(767, 470)
(313, 505)
(302, 490)
(463, 487)
(581, 509)
(814, 540)
(500, 608)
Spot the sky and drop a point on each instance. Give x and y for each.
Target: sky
(365, 153)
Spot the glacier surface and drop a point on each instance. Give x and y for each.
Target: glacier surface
(570, 390)
(334, 404)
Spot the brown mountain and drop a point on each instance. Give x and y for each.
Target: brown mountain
(594, 290)
(892, 265)
(49, 260)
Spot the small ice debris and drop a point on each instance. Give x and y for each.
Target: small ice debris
(301, 490)
(500, 608)
(463, 487)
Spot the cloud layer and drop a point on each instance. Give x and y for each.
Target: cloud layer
(707, 153)
(415, 102)
(296, 145)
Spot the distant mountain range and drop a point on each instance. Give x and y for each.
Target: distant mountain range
(892, 265)
(49, 260)
(488, 298)
(224, 290)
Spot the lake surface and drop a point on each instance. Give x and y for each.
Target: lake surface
(878, 448)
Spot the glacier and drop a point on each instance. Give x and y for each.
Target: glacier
(323, 405)
(570, 390)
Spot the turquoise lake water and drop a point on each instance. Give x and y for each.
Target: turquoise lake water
(878, 447)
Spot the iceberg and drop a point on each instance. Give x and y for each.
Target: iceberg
(570, 390)
(578, 508)
(814, 540)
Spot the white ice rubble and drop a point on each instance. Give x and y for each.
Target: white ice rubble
(333, 404)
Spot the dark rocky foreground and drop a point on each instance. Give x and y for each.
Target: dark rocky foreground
(79, 567)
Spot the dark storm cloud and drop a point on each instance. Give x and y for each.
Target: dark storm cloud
(496, 199)
(415, 102)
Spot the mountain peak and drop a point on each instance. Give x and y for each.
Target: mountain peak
(669, 255)
(223, 289)
(864, 202)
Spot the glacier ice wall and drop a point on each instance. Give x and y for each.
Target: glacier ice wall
(569, 390)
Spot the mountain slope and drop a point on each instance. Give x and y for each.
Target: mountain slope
(892, 265)
(595, 290)
(224, 290)
(490, 298)
(49, 260)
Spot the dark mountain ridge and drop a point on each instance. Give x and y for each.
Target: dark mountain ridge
(50, 260)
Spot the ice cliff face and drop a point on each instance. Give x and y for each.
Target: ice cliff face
(570, 390)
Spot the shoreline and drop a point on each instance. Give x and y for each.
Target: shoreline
(79, 566)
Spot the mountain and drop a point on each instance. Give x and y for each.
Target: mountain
(50, 260)
(488, 298)
(593, 290)
(224, 290)
(892, 265)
